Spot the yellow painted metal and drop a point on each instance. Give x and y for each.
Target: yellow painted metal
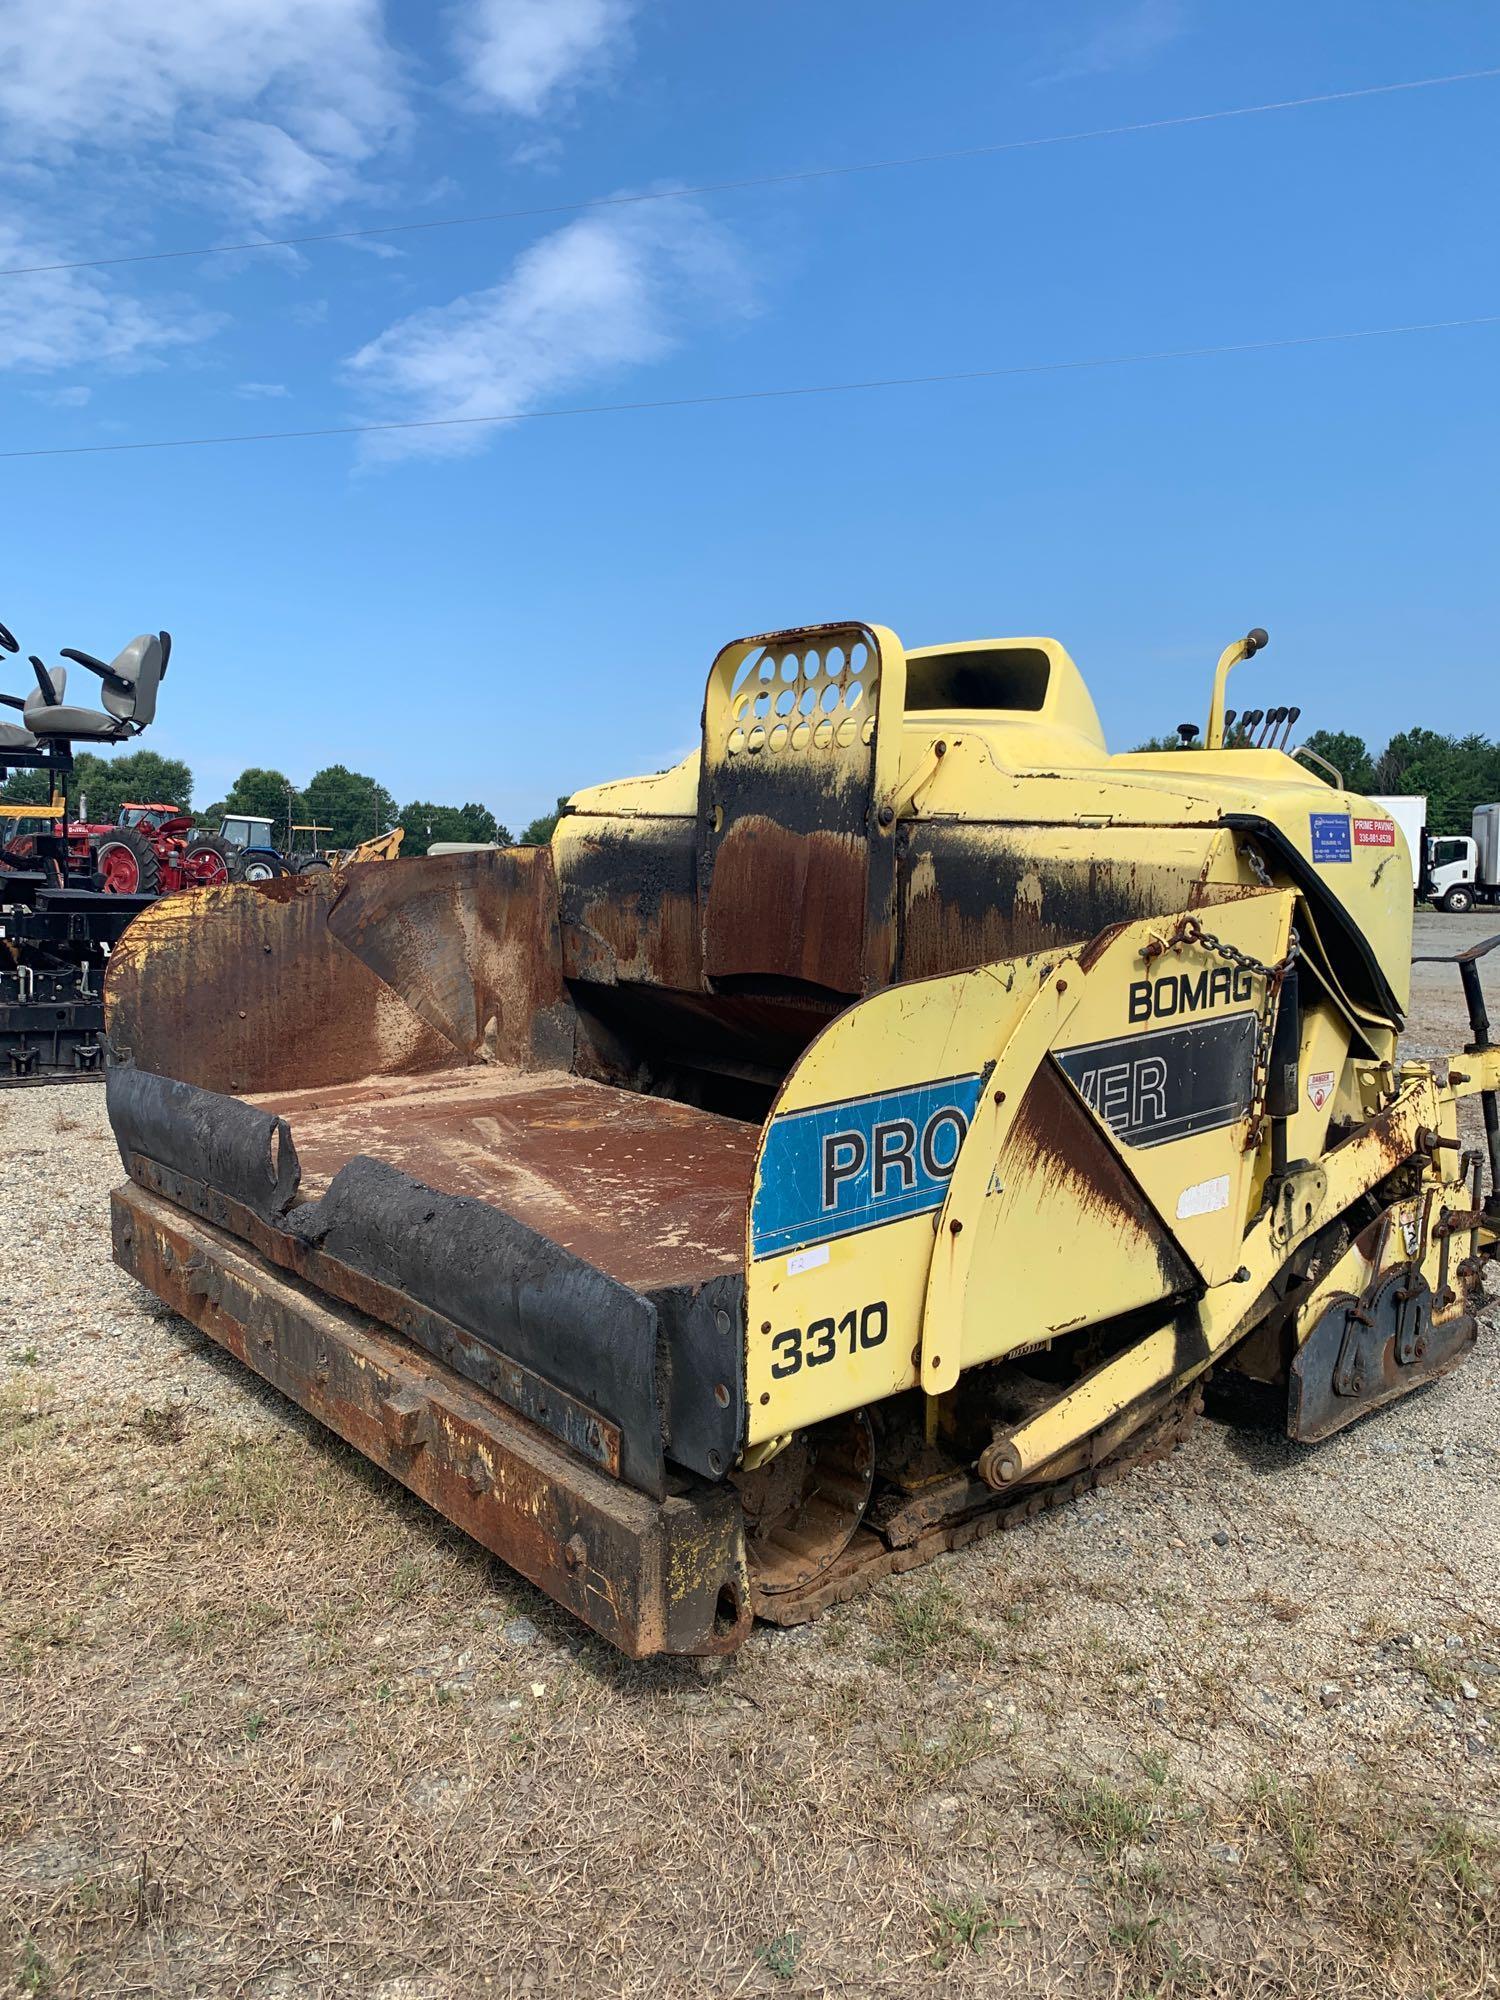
(901, 1036)
(384, 847)
(766, 714)
(1039, 1247)
(948, 1329)
(1178, 1354)
(1479, 1070)
(1241, 649)
(1042, 787)
(55, 808)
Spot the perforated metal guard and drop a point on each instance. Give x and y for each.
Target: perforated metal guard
(796, 866)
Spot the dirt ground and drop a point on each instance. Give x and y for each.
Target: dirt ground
(268, 1728)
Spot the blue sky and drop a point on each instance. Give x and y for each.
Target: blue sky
(503, 613)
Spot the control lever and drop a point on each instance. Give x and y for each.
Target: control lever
(8, 641)
(1293, 716)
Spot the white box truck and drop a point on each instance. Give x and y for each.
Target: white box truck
(1453, 870)
(1464, 869)
(1409, 811)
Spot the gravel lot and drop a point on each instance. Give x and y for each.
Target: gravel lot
(267, 1727)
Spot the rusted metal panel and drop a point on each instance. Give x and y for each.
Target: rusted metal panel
(973, 893)
(532, 1396)
(649, 1576)
(244, 989)
(628, 903)
(786, 903)
(1087, 1197)
(390, 969)
(634, 1314)
(649, 1190)
(471, 943)
(796, 808)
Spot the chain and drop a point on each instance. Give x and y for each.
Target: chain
(1190, 931)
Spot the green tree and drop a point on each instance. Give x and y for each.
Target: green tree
(143, 777)
(1456, 773)
(26, 788)
(539, 831)
(1348, 755)
(425, 822)
(268, 795)
(352, 806)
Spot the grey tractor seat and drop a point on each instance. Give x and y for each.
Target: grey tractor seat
(14, 737)
(129, 698)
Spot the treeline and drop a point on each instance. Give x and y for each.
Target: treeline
(344, 806)
(1454, 773)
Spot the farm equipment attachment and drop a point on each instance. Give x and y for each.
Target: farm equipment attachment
(60, 915)
(826, 1153)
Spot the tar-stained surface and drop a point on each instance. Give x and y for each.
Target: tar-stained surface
(239, 989)
(471, 943)
(628, 904)
(650, 1191)
(1352, 1361)
(788, 899)
(391, 968)
(974, 893)
(796, 865)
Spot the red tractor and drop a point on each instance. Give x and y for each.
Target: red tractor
(151, 851)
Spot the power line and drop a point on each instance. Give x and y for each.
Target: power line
(762, 395)
(752, 181)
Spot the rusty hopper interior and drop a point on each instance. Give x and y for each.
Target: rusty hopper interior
(508, 1165)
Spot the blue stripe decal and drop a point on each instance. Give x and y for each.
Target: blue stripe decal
(838, 1168)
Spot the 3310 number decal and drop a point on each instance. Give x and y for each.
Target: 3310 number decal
(821, 1339)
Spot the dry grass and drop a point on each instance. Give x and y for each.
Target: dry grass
(263, 1733)
(264, 1736)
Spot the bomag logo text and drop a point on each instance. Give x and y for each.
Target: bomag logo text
(1189, 992)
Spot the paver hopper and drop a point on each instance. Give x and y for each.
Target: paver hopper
(826, 1152)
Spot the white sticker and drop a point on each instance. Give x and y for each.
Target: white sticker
(1203, 1197)
(1319, 1088)
(807, 1260)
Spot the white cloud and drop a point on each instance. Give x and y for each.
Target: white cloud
(1124, 38)
(73, 397)
(59, 320)
(608, 292)
(261, 391)
(542, 152)
(526, 55)
(274, 105)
